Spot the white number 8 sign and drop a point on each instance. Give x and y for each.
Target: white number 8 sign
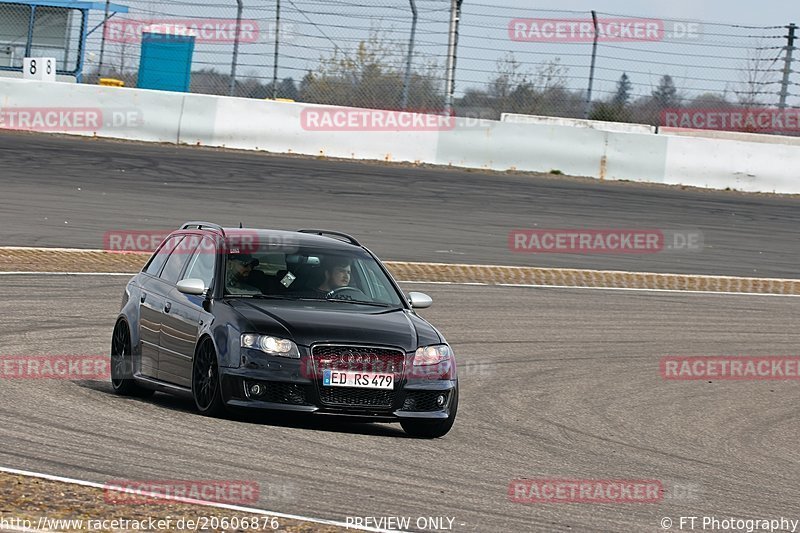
(39, 68)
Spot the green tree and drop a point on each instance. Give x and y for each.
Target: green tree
(666, 94)
(623, 94)
(370, 76)
(610, 112)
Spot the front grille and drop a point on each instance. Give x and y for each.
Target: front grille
(424, 400)
(358, 358)
(348, 396)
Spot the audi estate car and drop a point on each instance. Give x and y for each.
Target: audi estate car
(307, 321)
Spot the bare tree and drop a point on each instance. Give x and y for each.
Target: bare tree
(757, 74)
(509, 76)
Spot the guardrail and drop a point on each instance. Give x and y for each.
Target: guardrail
(743, 163)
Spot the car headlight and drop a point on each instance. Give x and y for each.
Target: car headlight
(432, 355)
(271, 345)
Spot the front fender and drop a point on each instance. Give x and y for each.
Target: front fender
(129, 312)
(225, 332)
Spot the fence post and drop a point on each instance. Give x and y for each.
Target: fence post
(407, 78)
(102, 42)
(239, 7)
(277, 44)
(452, 48)
(787, 68)
(588, 109)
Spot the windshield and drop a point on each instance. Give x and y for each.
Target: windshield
(309, 274)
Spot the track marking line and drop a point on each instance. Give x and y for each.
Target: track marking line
(74, 260)
(28, 273)
(189, 501)
(466, 283)
(629, 289)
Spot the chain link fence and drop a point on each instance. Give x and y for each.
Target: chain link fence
(394, 54)
(56, 33)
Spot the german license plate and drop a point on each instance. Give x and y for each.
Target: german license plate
(363, 380)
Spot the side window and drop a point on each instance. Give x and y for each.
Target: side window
(158, 260)
(175, 263)
(201, 265)
(376, 289)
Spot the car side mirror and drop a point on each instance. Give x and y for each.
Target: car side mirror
(419, 300)
(193, 286)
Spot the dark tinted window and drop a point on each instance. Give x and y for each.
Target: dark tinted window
(154, 267)
(201, 265)
(177, 259)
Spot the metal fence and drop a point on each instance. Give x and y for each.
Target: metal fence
(56, 33)
(396, 54)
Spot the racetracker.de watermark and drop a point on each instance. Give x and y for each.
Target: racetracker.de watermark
(148, 492)
(67, 367)
(749, 120)
(212, 30)
(69, 119)
(603, 241)
(735, 368)
(309, 368)
(544, 490)
(351, 119)
(239, 241)
(609, 30)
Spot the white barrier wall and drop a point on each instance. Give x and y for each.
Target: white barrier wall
(722, 164)
(620, 127)
(286, 127)
(742, 163)
(91, 110)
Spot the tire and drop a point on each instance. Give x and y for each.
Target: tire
(122, 364)
(427, 429)
(206, 385)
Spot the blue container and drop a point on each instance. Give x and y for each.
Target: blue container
(166, 62)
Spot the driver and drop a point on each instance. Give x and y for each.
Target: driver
(238, 273)
(337, 274)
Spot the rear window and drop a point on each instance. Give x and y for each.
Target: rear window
(174, 266)
(160, 257)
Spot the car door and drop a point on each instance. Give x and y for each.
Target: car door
(170, 336)
(185, 318)
(151, 306)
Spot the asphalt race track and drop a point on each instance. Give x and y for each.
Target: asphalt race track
(68, 192)
(568, 386)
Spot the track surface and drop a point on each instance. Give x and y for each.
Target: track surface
(571, 390)
(60, 191)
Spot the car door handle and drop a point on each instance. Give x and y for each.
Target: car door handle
(143, 297)
(167, 307)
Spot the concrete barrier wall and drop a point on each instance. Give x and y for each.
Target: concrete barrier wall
(741, 163)
(93, 110)
(722, 164)
(620, 127)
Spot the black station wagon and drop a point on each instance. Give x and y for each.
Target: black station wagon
(306, 321)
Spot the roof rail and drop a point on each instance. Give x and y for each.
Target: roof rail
(345, 236)
(204, 225)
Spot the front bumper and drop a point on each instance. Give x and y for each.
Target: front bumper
(287, 390)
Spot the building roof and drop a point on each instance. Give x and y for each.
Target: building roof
(71, 4)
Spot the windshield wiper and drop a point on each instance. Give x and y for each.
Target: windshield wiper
(304, 299)
(359, 302)
(266, 296)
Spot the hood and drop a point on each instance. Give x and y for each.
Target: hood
(307, 323)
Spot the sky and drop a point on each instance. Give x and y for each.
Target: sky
(757, 13)
(711, 64)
